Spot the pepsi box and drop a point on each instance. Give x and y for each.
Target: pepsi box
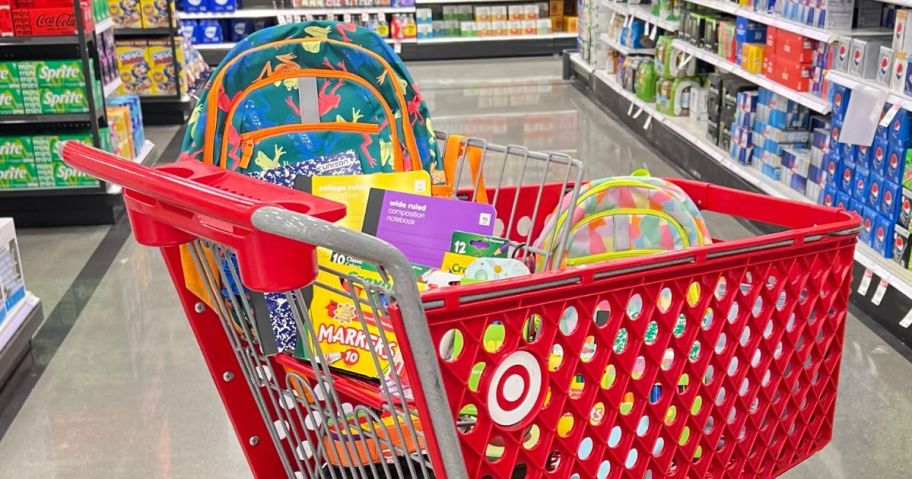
(210, 31)
(862, 155)
(840, 100)
(882, 236)
(820, 139)
(894, 166)
(846, 180)
(835, 129)
(901, 127)
(905, 209)
(900, 246)
(829, 196)
(880, 151)
(862, 184)
(847, 151)
(890, 197)
(874, 189)
(881, 131)
(843, 201)
(240, 29)
(868, 222)
(831, 165)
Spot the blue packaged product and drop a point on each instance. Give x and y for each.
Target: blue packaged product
(901, 127)
(240, 28)
(798, 183)
(820, 139)
(211, 31)
(874, 190)
(196, 5)
(857, 207)
(907, 88)
(880, 151)
(829, 196)
(847, 152)
(861, 185)
(818, 121)
(188, 29)
(846, 181)
(635, 34)
(883, 132)
(840, 100)
(890, 198)
(831, 166)
(843, 200)
(882, 236)
(868, 220)
(835, 130)
(862, 156)
(895, 164)
(223, 5)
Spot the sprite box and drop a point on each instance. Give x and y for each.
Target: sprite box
(52, 171)
(56, 100)
(11, 102)
(66, 175)
(18, 175)
(16, 149)
(51, 73)
(9, 75)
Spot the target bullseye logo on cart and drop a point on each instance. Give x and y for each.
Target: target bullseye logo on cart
(516, 388)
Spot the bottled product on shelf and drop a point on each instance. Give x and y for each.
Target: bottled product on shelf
(493, 20)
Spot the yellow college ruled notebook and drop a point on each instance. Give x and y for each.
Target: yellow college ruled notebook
(353, 190)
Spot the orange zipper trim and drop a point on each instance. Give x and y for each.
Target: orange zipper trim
(212, 113)
(249, 139)
(397, 151)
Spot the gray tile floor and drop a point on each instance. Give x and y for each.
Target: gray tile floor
(128, 394)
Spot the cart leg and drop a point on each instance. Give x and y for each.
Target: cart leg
(228, 378)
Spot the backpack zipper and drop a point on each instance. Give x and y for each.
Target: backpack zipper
(212, 106)
(682, 233)
(308, 72)
(249, 140)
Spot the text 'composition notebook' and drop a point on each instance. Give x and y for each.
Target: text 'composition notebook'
(421, 226)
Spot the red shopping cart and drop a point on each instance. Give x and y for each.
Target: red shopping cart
(718, 361)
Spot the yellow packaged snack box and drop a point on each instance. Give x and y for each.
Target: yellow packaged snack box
(119, 122)
(133, 64)
(161, 68)
(154, 13)
(126, 13)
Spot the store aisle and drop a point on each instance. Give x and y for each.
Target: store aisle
(128, 395)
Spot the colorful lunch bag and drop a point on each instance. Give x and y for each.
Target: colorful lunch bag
(301, 91)
(619, 217)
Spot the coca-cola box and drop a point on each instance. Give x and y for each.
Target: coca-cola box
(48, 20)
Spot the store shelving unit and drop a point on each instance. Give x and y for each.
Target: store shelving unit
(642, 12)
(52, 206)
(624, 50)
(277, 12)
(809, 100)
(880, 287)
(851, 82)
(169, 109)
(16, 333)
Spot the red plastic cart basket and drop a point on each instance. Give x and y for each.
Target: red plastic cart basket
(718, 361)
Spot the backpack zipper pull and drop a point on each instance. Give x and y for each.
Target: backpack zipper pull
(246, 153)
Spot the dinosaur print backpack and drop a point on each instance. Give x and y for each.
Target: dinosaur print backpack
(624, 216)
(297, 92)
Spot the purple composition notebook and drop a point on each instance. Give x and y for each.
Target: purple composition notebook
(422, 226)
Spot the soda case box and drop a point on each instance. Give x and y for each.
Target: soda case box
(900, 246)
(868, 220)
(846, 180)
(864, 56)
(52, 171)
(884, 66)
(829, 196)
(843, 201)
(796, 47)
(901, 127)
(898, 75)
(134, 65)
(50, 18)
(895, 164)
(890, 198)
(9, 75)
(128, 13)
(841, 54)
(224, 5)
(794, 75)
(882, 236)
(11, 102)
(880, 152)
(17, 163)
(51, 73)
(873, 191)
(902, 42)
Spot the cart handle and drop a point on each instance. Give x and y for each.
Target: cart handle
(174, 204)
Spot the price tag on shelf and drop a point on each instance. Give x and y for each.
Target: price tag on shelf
(647, 123)
(880, 292)
(655, 32)
(630, 109)
(346, 18)
(397, 47)
(628, 21)
(907, 321)
(888, 116)
(638, 113)
(865, 282)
